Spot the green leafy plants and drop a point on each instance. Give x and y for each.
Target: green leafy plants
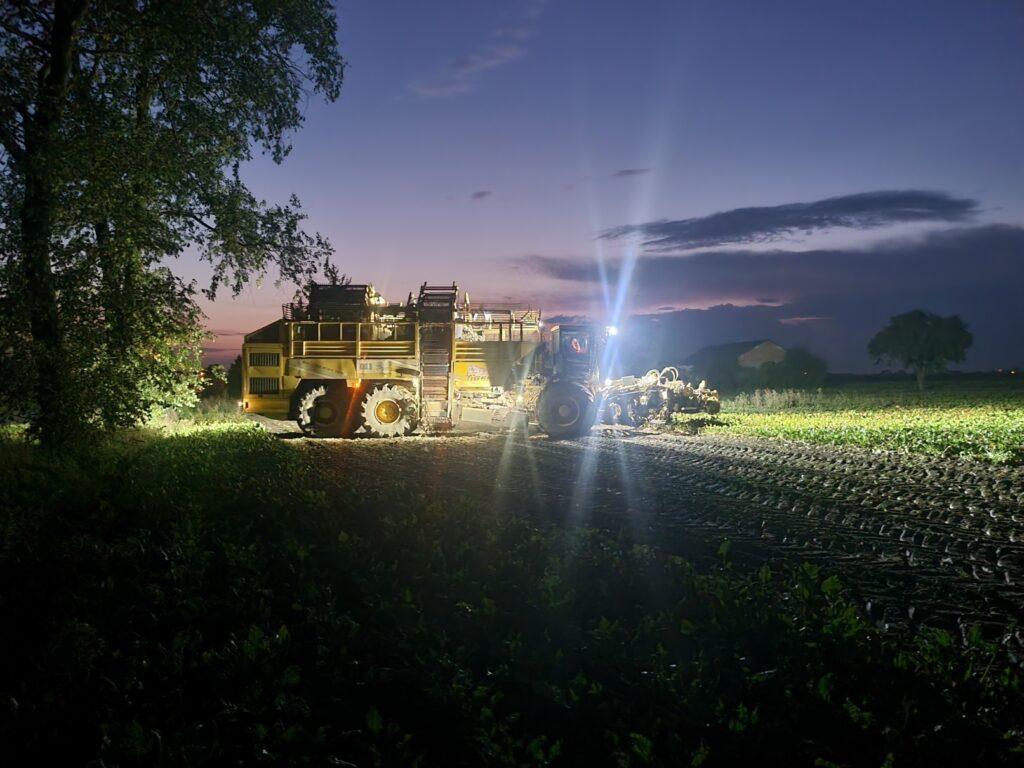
(984, 423)
(207, 596)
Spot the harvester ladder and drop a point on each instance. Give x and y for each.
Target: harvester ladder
(436, 308)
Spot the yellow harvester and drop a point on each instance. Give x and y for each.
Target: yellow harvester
(348, 362)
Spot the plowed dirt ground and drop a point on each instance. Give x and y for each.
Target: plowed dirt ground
(917, 539)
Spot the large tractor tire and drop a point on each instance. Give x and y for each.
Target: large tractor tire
(322, 411)
(388, 410)
(566, 410)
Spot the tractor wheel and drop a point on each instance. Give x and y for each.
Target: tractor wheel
(620, 412)
(656, 401)
(631, 416)
(565, 409)
(610, 412)
(322, 412)
(389, 410)
(712, 407)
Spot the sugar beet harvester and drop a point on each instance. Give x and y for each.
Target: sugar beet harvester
(348, 362)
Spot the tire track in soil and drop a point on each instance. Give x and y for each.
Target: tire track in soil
(917, 539)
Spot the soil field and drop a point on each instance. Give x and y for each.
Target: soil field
(917, 539)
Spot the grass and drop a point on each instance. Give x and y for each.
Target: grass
(210, 411)
(198, 598)
(214, 413)
(977, 421)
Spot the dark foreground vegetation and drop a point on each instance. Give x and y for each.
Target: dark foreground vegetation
(201, 599)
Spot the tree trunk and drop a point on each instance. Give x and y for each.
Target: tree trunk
(58, 418)
(920, 379)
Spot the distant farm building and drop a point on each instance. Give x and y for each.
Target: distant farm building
(747, 354)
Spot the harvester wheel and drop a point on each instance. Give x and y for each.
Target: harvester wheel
(565, 409)
(389, 410)
(322, 412)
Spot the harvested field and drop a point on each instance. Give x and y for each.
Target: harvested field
(918, 539)
(218, 595)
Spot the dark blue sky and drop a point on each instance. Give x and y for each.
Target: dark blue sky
(792, 170)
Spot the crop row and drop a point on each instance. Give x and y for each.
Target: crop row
(930, 539)
(984, 433)
(982, 423)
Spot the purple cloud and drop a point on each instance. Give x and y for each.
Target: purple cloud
(465, 72)
(949, 260)
(867, 210)
(625, 173)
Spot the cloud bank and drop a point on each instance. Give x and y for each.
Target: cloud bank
(952, 259)
(740, 226)
(831, 300)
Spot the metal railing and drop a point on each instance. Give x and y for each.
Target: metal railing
(497, 331)
(353, 340)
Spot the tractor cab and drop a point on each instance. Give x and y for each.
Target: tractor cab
(574, 353)
(567, 406)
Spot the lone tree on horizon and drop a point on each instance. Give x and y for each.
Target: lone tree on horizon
(922, 341)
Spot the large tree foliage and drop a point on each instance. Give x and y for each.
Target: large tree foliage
(922, 341)
(800, 368)
(234, 378)
(123, 127)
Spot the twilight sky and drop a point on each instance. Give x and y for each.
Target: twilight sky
(798, 171)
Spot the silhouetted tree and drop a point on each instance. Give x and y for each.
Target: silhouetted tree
(235, 378)
(214, 381)
(799, 368)
(922, 341)
(723, 372)
(123, 127)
